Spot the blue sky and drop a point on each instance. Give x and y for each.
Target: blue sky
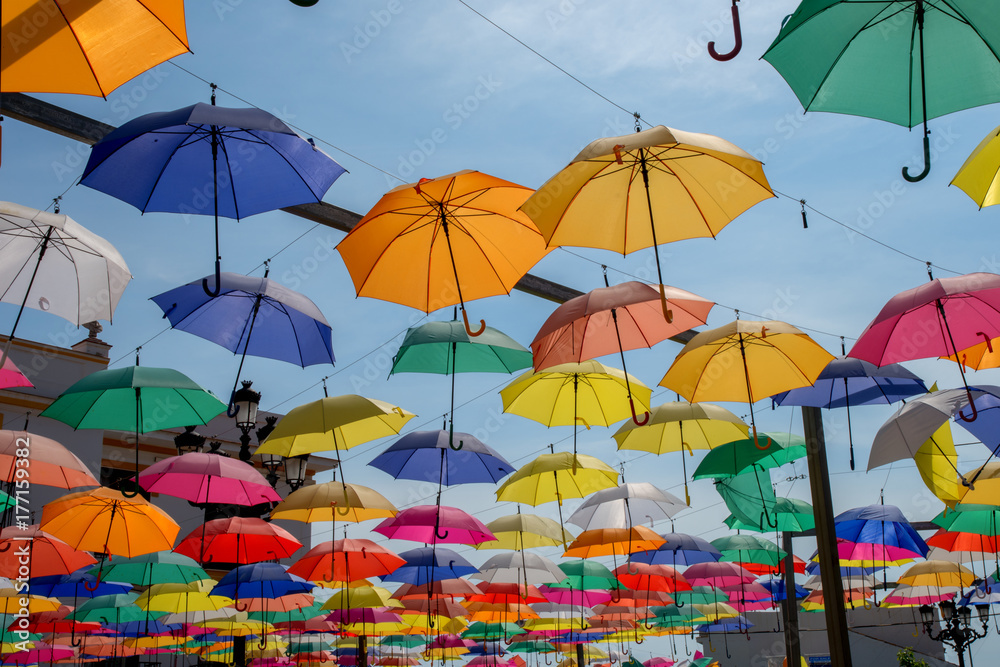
(422, 90)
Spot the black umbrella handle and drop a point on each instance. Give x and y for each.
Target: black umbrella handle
(927, 164)
(218, 282)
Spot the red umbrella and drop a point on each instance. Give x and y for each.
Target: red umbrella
(47, 554)
(648, 577)
(238, 540)
(50, 463)
(346, 560)
(45, 622)
(39, 653)
(288, 602)
(507, 593)
(435, 524)
(201, 477)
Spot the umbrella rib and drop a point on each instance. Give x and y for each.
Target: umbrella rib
(229, 170)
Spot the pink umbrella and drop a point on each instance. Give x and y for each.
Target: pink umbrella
(489, 661)
(575, 597)
(435, 524)
(449, 640)
(718, 575)
(201, 477)
(11, 376)
(658, 662)
(363, 615)
(40, 653)
(863, 551)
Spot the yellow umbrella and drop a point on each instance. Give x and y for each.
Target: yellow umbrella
(978, 176)
(938, 574)
(557, 476)
(746, 361)
(87, 48)
(334, 501)
(936, 460)
(643, 189)
(334, 423)
(443, 241)
(12, 601)
(361, 597)
(154, 641)
(525, 531)
(179, 599)
(986, 490)
(679, 426)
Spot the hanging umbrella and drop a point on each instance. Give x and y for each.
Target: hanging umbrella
(446, 348)
(750, 497)
(613, 541)
(283, 324)
(202, 477)
(587, 392)
(528, 569)
(443, 241)
(345, 561)
(938, 574)
(105, 521)
(937, 463)
(79, 584)
(130, 399)
(792, 516)
(877, 534)
(11, 376)
(847, 381)
(164, 567)
(934, 58)
(87, 50)
(680, 550)
(47, 554)
(617, 507)
(330, 501)
(435, 524)
(430, 456)
(774, 357)
(238, 540)
(748, 549)
(735, 458)
(640, 190)
(676, 426)
(425, 565)
(195, 160)
(51, 463)
(525, 531)
(81, 280)
(977, 178)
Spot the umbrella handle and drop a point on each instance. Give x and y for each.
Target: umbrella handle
(586, 425)
(989, 343)
(972, 404)
(241, 606)
(756, 443)
(130, 494)
(679, 604)
(638, 639)
(347, 508)
(439, 535)
(635, 418)
(263, 642)
(451, 442)
(737, 33)
(927, 163)
(218, 282)
(76, 641)
(5, 548)
(97, 582)
(628, 568)
(468, 329)
(916, 632)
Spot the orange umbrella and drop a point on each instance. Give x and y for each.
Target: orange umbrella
(451, 588)
(613, 542)
(105, 521)
(346, 560)
(86, 48)
(47, 554)
(443, 241)
(50, 463)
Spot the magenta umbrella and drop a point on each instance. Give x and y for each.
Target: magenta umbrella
(718, 575)
(450, 640)
(39, 654)
(202, 477)
(575, 597)
(11, 376)
(489, 661)
(937, 319)
(435, 524)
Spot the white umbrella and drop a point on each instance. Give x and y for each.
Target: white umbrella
(519, 567)
(618, 506)
(51, 263)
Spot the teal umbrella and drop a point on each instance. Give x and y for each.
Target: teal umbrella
(446, 348)
(750, 497)
(159, 567)
(748, 549)
(902, 62)
(793, 516)
(736, 458)
(135, 398)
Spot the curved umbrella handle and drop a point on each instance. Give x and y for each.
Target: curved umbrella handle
(218, 281)
(263, 642)
(972, 404)
(927, 163)
(439, 535)
(737, 33)
(617, 596)
(336, 507)
(916, 631)
(97, 582)
(756, 442)
(77, 641)
(638, 639)
(451, 442)
(711, 648)
(241, 606)
(586, 425)
(678, 603)
(728, 656)
(364, 552)
(628, 568)
(989, 343)
(131, 494)
(468, 329)
(5, 548)
(635, 418)
(867, 605)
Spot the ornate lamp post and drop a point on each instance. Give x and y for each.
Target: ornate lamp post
(189, 441)
(957, 630)
(246, 401)
(295, 471)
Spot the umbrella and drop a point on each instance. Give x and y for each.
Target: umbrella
(425, 565)
(90, 49)
(79, 584)
(447, 348)
(430, 456)
(749, 496)
(978, 178)
(528, 569)
(877, 533)
(11, 376)
(676, 426)
(735, 458)
(435, 524)
(847, 381)
(131, 399)
(443, 241)
(681, 550)
(774, 357)
(615, 507)
(599, 201)
(47, 554)
(568, 394)
(81, 280)
(525, 531)
(104, 520)
(792, 516)
(327, 501)
(164, 567)
(51, 464)
(195, 160)
(202, 477)
(238, 540)
(934, 58)
(284, 324)
(613, 542)
(748, 549)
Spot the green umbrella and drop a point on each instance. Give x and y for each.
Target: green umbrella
(406, 641)
(532, 646)
(135, 398)
(161, 567)
(587, 575)
(794, 516)
(118, 608)
(6, 501)
(673, 616)
(294, 615)
(446, 348)
(750, 497)
(699, 595)
(748, 549)
(481, 631)
(902, 62)
(984, 520)
(738, 457)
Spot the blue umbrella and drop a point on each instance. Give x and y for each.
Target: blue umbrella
(847, 381)
(72, 585)
(141, 628)
(681, 550)
(426, 456)
(429, 564)
(776, 587)
(879, 524)
(209, 160)
(283, 324)
(260, 580)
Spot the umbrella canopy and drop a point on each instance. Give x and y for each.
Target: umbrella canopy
(934, 59)
(556, 477)
(528, 569)
(680, 550)
(79, 584)
(443, 241)
(525, 531)
(435, 524)
(748, 549)
(105, 521)
(447, 348)
(734, 458)
(330, 501)
(238, 540)
(156, 161)
(883, 526)
(88, 50)
(260, 580)
(428, 457)
(11, 376)
(978, 178)
(640, 190)
(938, 574)
(202, 477)
(792, 516)
(616, 507)
(428, 564)
(164, 567)
(334, 423)
(51, 464)
(47, 554)
(609, 320)
(613, 541)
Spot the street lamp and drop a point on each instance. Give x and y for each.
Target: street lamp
(956, 629)
(189, 441)
(271, 462)
(246, 401)
(295, 471)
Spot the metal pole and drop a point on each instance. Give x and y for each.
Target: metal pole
(579, 655)
(790, 606)
(826, 539)
(363, 650)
